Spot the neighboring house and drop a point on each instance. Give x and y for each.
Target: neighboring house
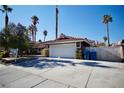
(65, 46)
(36, 47)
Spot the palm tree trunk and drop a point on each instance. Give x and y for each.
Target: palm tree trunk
(107, 29)
(105, 42)
(6, 31)
(32, 35)
(35, 36)
(6, 23)
(56, 22)
(44, 38)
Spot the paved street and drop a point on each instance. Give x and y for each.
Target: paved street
(62, 73)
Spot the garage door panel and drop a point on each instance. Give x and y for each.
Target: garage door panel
(63, 50)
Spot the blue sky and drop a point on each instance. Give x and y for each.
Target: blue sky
(79, 21)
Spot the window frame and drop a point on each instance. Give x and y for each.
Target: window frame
(78, 46)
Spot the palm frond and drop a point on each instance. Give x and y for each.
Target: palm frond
(9, 9)
(2, 10)
(5, 7)
(107, 19)
(35, 18)
(110, 19)
(45, 32)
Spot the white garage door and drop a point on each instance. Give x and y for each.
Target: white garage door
(63, 50)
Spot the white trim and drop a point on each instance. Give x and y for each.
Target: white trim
(79, 45)
(64, 42)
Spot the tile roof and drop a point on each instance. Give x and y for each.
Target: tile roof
(63, 38)
(37, 45)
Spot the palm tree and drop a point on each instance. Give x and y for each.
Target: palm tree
(6, 9)
(40, 40)
(106, 20)
(45, 34)
(57, 11)
(35, 20)
(105, 39)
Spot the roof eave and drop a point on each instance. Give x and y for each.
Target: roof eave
(63, 42)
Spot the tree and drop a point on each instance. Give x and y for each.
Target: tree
(22, 39)
(45, 34)
(57, 11)
(2, 40)
(30, 31)
(106, 20)
(35, 20)
(17, 37)
(40, 41)
(6, 9)
(105, 39)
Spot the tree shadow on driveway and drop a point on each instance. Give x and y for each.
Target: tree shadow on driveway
(50, 63)
(96, 64)
(42, 63)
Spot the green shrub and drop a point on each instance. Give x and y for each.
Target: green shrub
(1, 55)
(45, 52)
(79, 54)
(4, 54)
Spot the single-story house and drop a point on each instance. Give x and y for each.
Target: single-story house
(36, 47)
(65, 46)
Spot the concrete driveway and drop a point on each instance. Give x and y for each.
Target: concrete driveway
(62, 73)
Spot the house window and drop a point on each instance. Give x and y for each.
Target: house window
(78, 44)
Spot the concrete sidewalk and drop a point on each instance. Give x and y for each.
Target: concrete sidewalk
(62, 74)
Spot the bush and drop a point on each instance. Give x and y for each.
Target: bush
(45, 52)
(79, 54)
(1, 54)
(4, 54)
(33, 51)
